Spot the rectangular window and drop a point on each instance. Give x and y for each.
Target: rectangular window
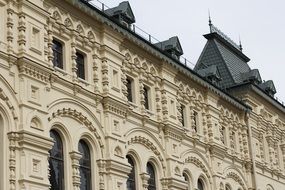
(146, 97)
(57, 54)
(182, 112)
(195, 121)
(130, 89)
(80, 65)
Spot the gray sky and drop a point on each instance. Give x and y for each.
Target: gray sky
(259, 23)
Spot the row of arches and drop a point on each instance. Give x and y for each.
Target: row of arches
(56, 163)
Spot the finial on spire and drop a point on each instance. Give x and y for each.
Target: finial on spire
(210, 20)
(240, 46)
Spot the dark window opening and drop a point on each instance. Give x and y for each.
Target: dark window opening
(182, 112)
(195, 120)
(151, 180)
(146, 97)
(80, 65)
(57, 54)
(56, 163)
(200, 184)
(84, 166)
(130, 89)
(131, 182)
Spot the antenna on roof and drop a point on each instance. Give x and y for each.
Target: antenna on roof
(210, 20)
(240, 46)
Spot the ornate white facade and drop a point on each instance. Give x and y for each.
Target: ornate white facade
(188, 129)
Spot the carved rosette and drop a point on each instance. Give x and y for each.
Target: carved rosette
(75, 157)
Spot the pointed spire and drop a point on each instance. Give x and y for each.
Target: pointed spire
(240, 45)
(210, 20)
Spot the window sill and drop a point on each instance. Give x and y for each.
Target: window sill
(83, 81)
(60, 70)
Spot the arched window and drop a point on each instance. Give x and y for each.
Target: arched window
(84, 166)
(131, 182)
(56, 163)
(151, 173)
(228, 187)
(200, 184)
(186, 178)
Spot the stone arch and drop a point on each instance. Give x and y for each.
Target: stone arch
(269, 187)
(159, 172)
(74, 109)
(196, 158)
(148, 140)
(233, 173)
(137, 159)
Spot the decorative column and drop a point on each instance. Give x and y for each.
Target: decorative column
(124, 80)
(102, 165)
(49, 42)
(282, 146)
(105, 78)
(22, 33)
(12, 160)
(179, 110)
(145, 178)
(164, 105)
(73, 56)
(164, 184)
(75, 157)
(10, 24)
(95, 70)
(157, 99)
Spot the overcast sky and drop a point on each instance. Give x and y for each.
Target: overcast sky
(259, 23)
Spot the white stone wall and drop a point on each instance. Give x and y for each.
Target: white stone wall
(36, 97)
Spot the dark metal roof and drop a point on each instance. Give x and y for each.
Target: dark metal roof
(172, 46)
(268, 87)
(124, 11)
(105, 18)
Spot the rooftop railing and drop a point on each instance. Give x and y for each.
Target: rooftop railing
(151, 39)
(137, 30)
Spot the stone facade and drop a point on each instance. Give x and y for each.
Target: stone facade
(186, 128)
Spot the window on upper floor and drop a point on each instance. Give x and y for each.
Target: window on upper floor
(130, 83)
(57, 49)
(182, 113)
(131, 182)
(80, 62)
(84, 166)
(195, 121)
(146, 94)
(56, 162)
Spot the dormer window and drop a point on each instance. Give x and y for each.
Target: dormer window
(80, 65)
